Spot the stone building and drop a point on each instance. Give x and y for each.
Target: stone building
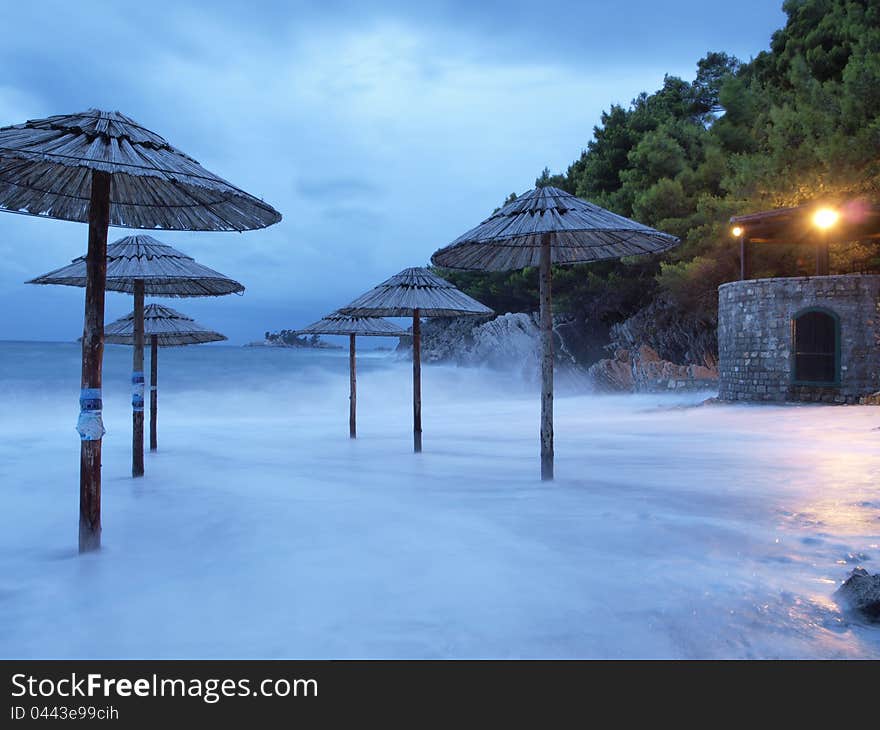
(805, 338)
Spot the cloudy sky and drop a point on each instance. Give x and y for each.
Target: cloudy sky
(380, 130)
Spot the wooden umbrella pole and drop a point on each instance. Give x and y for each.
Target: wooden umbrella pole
(154, 390)
(137, 383)
(546, 298)
(417, 382)
(90, 425)
(352, 398)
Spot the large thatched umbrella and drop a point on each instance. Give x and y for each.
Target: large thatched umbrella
(343, 324)
(542, 227)
(106, 169)
(165, 327)
(415, 293)
(141, 265)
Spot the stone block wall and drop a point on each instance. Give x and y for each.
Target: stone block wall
(755, 345)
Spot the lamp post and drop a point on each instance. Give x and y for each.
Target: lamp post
(745, 253)
(824, 219)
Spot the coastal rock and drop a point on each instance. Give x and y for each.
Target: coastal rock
(643, 371)
(511, 341)
(289, 338)
(674, 334)
(578, 340)
(861, 593)
(445, 339)
(613, 375)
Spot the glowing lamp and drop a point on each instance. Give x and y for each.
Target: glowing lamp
(737, 231)
(824, 218)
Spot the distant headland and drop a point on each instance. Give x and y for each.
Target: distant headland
(289, 338)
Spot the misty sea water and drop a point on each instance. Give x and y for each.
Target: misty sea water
(675, 528)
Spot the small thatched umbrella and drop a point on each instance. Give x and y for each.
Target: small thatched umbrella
(141, 265)
(166, 328)
(542, 227)
(415, 293)
(342, 324)
(106, 169)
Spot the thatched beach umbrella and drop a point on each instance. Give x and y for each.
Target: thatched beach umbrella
(165, 327)
(415, 293)
(342, 324)
(542, 227)
(141, 265)
(105, 169)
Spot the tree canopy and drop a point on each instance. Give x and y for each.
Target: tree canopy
(799, 122)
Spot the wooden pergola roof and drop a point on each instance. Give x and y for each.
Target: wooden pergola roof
(859, 220)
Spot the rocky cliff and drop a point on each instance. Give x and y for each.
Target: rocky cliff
(675, 335)
(643, 371)
(512, 342)
(509, 342)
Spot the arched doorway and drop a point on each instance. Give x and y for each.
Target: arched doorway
(815, 335)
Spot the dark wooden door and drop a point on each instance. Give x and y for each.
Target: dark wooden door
(816, 348)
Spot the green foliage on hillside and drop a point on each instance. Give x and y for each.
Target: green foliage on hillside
(800, 122)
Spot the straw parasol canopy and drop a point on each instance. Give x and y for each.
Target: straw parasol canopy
(542, 227)
(579, 231)
(165, 271)
(344, 324)
(165, 327)
(168, 326)
(354, 327)
(105, 169)
(45, 167)
(416, 293)
(415, 289)
(141, 265)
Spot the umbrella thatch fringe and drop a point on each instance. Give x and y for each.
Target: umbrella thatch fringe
(170, 327)
(46, 165)
(411, 289)
(165, 271)
(580, 232)
(342, 324)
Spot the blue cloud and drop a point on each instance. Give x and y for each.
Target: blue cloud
(380, 130)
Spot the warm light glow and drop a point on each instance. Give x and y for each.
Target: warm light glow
(825, 217)
(737, 231)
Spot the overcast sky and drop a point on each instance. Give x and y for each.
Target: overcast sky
(380, 130)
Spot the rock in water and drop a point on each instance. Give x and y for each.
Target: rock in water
(614, 374)
(861, 592)
(512, 340)
(445, 339)
(642, 370)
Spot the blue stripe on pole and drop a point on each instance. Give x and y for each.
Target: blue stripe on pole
(89, 425)
(90, 399)
(137, 391)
